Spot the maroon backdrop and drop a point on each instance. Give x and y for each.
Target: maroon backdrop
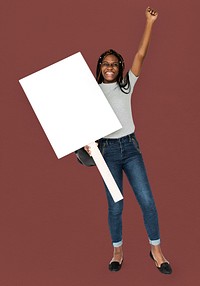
(53, 213)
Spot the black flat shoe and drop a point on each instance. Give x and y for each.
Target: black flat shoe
(164, 268)
(115, 265)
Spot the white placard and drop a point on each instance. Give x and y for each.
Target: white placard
(71, 108)
(69, 104)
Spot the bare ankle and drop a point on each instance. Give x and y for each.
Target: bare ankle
(118, 250)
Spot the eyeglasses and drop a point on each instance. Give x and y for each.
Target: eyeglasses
(107, 65)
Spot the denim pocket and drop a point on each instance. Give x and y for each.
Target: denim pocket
(102, 146)
(135, 142)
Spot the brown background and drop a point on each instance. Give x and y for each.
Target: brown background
(53, 218)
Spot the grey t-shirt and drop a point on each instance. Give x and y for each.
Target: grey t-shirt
(121, 104)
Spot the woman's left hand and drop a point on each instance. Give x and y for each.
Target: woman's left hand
(151, 14)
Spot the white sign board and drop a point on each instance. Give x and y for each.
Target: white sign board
(69, 104)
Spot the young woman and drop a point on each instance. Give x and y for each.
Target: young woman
(121, 149)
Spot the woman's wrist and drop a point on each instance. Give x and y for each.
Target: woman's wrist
(150, 21)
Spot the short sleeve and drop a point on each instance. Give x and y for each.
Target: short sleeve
(133, 79)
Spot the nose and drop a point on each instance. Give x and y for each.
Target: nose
(110, 67)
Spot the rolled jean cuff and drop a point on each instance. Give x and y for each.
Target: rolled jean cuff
(154, 242)
(117, 244)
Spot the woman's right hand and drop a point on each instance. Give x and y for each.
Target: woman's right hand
(87, 148)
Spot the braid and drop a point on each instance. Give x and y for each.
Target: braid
(123, 83)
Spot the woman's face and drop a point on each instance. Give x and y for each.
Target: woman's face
(110, 68)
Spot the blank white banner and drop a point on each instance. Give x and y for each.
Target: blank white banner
(69, 105)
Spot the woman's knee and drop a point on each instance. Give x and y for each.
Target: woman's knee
(148, 204)
(116, 208)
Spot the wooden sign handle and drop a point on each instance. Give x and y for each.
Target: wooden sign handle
(105, 172)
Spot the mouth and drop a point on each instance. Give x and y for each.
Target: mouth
(109, 73)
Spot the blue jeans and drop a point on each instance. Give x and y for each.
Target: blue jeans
(124, 154)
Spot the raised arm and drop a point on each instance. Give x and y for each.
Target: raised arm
(151, 16)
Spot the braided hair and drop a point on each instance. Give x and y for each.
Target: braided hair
(123, 83)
